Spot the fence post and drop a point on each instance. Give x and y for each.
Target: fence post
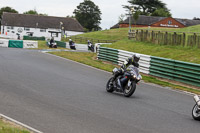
(166, 38)
(159, 37)
(195, 37)
(184, 39)
(142, 35)
(174, 38)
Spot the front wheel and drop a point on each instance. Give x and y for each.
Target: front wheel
(109, 85)
(129, 90)
(196, 112)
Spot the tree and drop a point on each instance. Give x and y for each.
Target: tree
(161, 12)
(34, 12)
(89, 15)
(7, 9)
(136, 16)
(31, 12)
(148, 7)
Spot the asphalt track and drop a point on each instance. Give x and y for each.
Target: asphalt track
(55, 95)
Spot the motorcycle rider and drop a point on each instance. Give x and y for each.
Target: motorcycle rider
(89, 45)
(72, 44)
(51, 42)
(130, 61)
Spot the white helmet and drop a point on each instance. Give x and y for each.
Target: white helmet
(136, 57)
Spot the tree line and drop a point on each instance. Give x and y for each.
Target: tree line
(88, 14)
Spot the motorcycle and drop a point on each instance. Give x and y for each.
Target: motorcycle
(72, 46)
(52, 45)
(90, 46)
(126, 83)
(196, 108)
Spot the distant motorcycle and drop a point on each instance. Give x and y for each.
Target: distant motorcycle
(126, 83)
(52, 45)
(196, 108)
(72, 45)
(90, 46)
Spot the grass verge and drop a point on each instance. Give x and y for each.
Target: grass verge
(7, 127)
(186, 54)
(90, 59)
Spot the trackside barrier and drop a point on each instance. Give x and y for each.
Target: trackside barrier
(61, 44)
(30, 44)
(108, 54)
(15, 44)
(18, 43)
(4, 42)
(184, 72)
(119, 56)
(144, 60)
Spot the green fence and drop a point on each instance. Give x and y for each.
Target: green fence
(15, 44)
(33, 38)
(108, 54)
(188, 73)
(61, 44)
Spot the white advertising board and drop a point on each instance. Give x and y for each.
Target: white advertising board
(4, 42)
(30, 44)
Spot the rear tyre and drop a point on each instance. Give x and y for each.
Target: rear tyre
(129, 90)
(109, 85)
(92, 49)
(196, 112)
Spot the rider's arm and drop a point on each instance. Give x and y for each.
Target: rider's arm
(126, 63)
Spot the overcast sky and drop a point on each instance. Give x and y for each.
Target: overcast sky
(111, 9)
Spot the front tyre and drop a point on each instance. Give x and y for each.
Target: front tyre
(109, 85)
(196, 112)
(129, 90)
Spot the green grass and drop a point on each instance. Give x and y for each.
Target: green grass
(90, 59)
(185, 54)
(122, 33)
(6, 127)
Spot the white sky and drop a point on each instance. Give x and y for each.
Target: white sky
(111, 9)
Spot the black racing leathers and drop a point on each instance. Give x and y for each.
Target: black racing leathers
(129, 61)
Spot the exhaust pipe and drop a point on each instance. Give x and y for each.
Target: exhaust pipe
(197, 100)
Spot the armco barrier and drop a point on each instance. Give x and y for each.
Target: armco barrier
(144, 60)
(119, 56)
(108, 54)
(184, 72)
(188, 73)
(4, 42)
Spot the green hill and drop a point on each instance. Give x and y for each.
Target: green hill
(121, 33)
(187, 54)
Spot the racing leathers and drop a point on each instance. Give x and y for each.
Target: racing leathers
(129, 61)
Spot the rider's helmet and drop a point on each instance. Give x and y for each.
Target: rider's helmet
(136, 57)
(88, 41)
(70, 40)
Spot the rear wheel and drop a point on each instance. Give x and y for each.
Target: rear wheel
(129, 90)
(196, 112)
(109, 85)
